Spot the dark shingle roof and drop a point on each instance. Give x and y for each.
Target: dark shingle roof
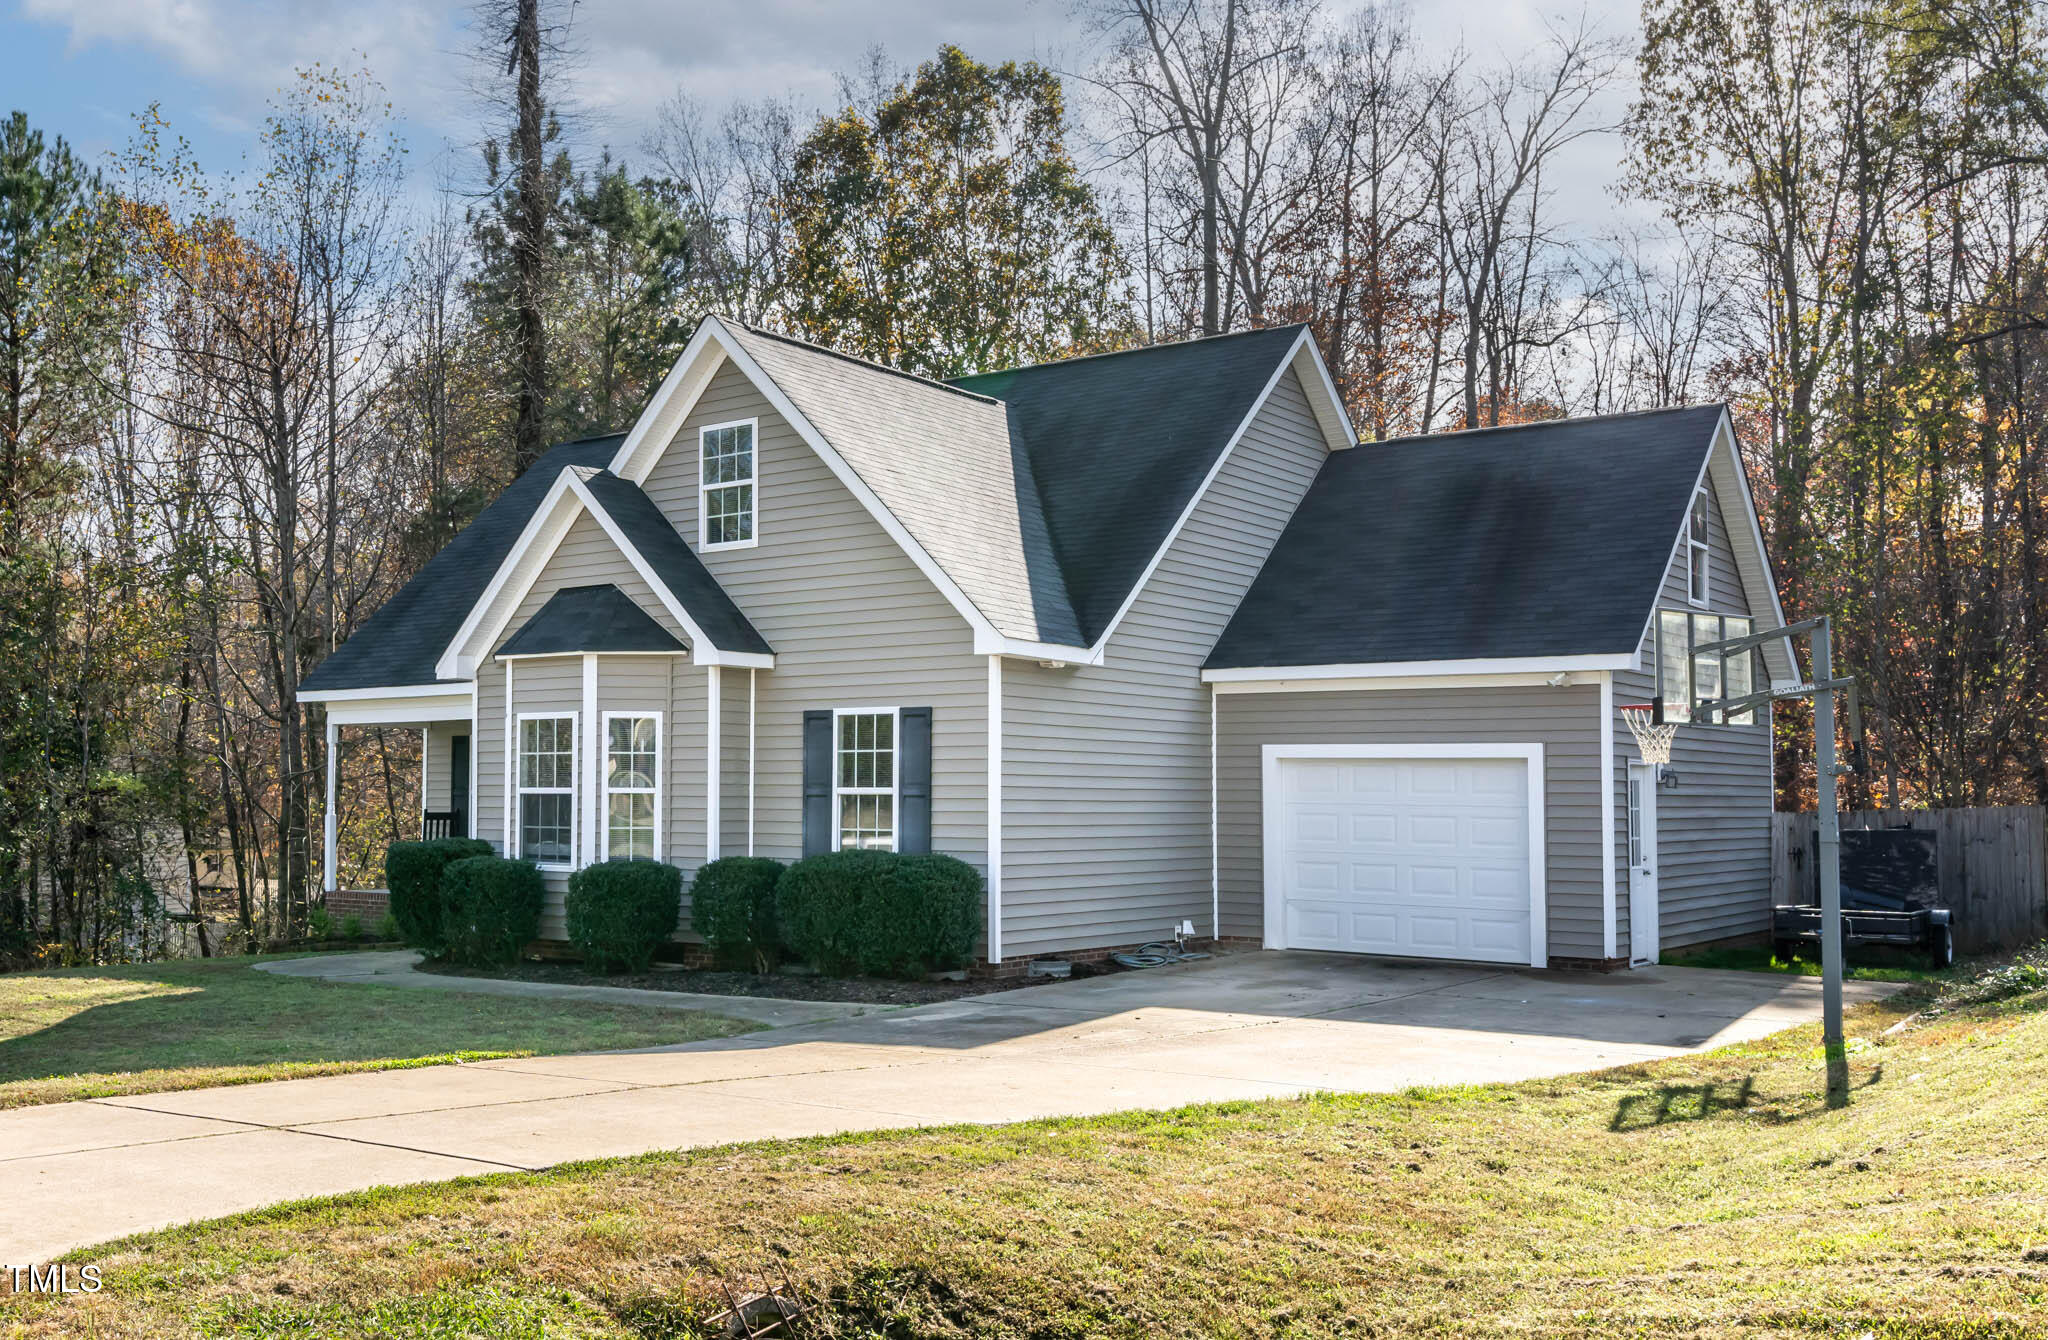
(654, 537)
(399, 644)
(1547, 539)
(1116, 445)
(589, 618)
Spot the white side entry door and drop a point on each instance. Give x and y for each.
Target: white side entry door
(1642, 864)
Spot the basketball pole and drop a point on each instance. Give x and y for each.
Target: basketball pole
(1830, 856)
(1828, 826)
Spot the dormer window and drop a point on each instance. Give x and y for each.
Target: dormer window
(1696, 550)
(725, 489)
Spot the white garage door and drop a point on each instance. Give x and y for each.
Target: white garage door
(1412, 856)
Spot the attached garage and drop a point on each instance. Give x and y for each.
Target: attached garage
(1427, 851)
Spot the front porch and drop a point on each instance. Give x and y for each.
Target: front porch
(445, 717)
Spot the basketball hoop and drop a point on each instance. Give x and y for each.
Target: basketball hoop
(1653, 737)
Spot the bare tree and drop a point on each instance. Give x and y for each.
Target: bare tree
(736, 174)
(1499, 239)
(1210, 78)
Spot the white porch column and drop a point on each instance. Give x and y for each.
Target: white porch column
(751, 673)
(593, 818)
(714, 708)
(328, 820)
(995, 809)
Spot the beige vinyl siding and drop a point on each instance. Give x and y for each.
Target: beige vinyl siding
(1565, 721)
(489, 748)
(732, 828)
(852, 621)
(1714, 828)
(436, 754)
(1106, 837)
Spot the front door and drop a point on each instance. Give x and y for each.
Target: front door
(1642, 863)
(458, 782)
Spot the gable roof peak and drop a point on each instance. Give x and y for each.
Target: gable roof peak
(841, 354)
(1156, 346)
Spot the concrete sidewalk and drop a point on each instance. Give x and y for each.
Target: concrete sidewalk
(400, 967)
(1257, 1025)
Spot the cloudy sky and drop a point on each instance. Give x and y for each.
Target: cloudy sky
(83, 68)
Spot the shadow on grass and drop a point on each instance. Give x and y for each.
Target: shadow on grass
(1669, 1104)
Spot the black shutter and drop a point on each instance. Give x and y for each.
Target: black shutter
(817, 782)
(914, 781)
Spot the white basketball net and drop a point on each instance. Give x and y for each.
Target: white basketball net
(1652, 740)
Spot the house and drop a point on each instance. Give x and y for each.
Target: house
(1147, 637)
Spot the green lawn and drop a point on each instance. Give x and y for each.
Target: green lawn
(1868, 964)
(145, 1028)
(1702, 1196)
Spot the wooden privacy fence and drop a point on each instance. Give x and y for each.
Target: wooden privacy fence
(1991, 864)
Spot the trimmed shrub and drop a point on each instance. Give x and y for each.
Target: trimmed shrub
(732, 905)
(491, 908)
(880, 913)
(351, 927)
(620, 911)
(412, 871)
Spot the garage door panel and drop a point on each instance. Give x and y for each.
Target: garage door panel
(1375, 879)
(1317, 826)
(1506, 832)
(1368, 830)
(1425, 857)
(1433, 830)
(1508, 885)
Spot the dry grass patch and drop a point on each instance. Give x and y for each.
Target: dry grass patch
(1704, 1196)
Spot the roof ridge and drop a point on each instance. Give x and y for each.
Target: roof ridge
(865, 362)
(1134, 349)
(1574, 420)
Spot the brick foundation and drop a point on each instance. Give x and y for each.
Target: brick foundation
(697, 955)
(1018, 967)
(1557, 964)
(368, 904)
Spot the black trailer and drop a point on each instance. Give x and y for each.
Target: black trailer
(1889, 886)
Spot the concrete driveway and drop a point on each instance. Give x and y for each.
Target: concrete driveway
(1251, 1025)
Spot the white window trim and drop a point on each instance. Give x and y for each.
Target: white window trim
(520, 790)
(894, 791)
(753, 427)
(1702, 546)
(606, 790)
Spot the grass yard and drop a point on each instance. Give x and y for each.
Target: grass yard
(1703, 1196)
(190, 1024)
(1870, 964)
